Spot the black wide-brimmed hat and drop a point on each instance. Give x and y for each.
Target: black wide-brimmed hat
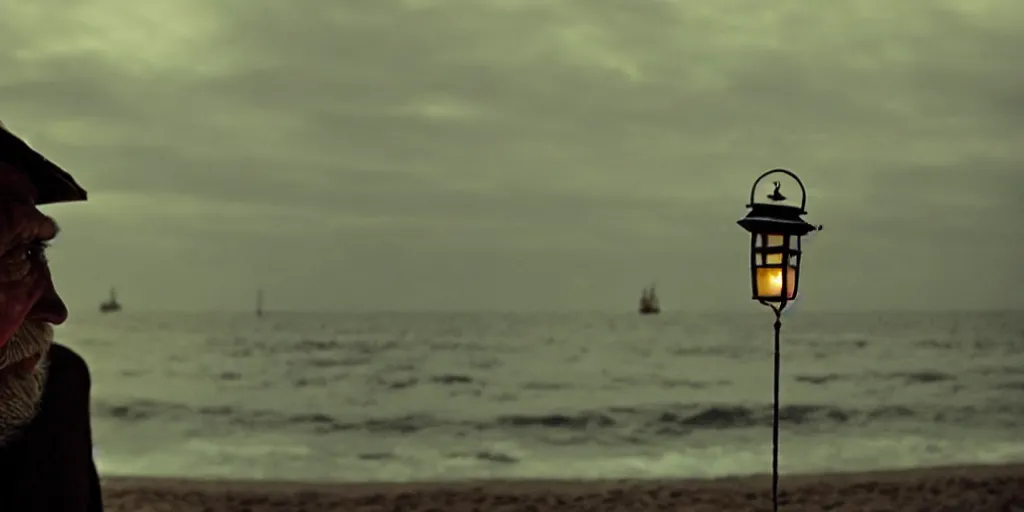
(52, 184)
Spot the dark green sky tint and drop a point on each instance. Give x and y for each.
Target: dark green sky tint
(522, 154)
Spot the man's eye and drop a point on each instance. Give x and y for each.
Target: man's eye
(34, 251)
(37, 250)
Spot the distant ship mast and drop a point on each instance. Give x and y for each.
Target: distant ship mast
(111, 305)
(259, 303)
(649, 304)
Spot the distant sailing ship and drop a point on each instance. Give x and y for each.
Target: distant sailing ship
(111, 305)
(259, 303)
(649, 304)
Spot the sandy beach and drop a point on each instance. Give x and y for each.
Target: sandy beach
(963, 488)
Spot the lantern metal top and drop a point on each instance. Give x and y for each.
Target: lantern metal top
(773, 217)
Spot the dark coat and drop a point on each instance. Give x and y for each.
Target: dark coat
(49, 467)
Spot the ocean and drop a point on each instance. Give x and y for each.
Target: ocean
(439, 396)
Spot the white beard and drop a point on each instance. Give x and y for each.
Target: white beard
(21, 392)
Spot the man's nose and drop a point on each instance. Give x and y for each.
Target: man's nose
(50, 308)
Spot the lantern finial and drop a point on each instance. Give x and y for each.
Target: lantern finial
(776, 195)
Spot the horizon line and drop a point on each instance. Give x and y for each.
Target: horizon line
(756, 310)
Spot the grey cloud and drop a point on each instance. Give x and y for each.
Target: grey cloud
(516, 141)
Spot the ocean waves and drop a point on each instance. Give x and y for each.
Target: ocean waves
(394, 396)
(642, 423)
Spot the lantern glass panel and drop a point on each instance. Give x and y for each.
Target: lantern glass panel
(769, 283)
(769, 241)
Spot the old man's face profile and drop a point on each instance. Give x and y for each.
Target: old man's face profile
(46, 461)
(29, 304)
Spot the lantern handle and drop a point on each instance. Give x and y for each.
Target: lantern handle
(803, 191)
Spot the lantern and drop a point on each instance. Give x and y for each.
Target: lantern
(775, 233)
(775, 229)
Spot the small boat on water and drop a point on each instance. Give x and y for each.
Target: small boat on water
(110, 305)
(649, 304)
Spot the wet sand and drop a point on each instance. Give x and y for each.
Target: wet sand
(952, 489)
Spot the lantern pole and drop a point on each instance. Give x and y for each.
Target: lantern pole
(775, 414)
(775, 405)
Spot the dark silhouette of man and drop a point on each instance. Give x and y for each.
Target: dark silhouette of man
(46, 461)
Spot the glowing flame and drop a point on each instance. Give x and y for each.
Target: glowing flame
(769, 282)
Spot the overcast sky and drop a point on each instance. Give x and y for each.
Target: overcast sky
(522, 154)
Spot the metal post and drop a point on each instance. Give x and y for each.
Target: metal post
(775, 416)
